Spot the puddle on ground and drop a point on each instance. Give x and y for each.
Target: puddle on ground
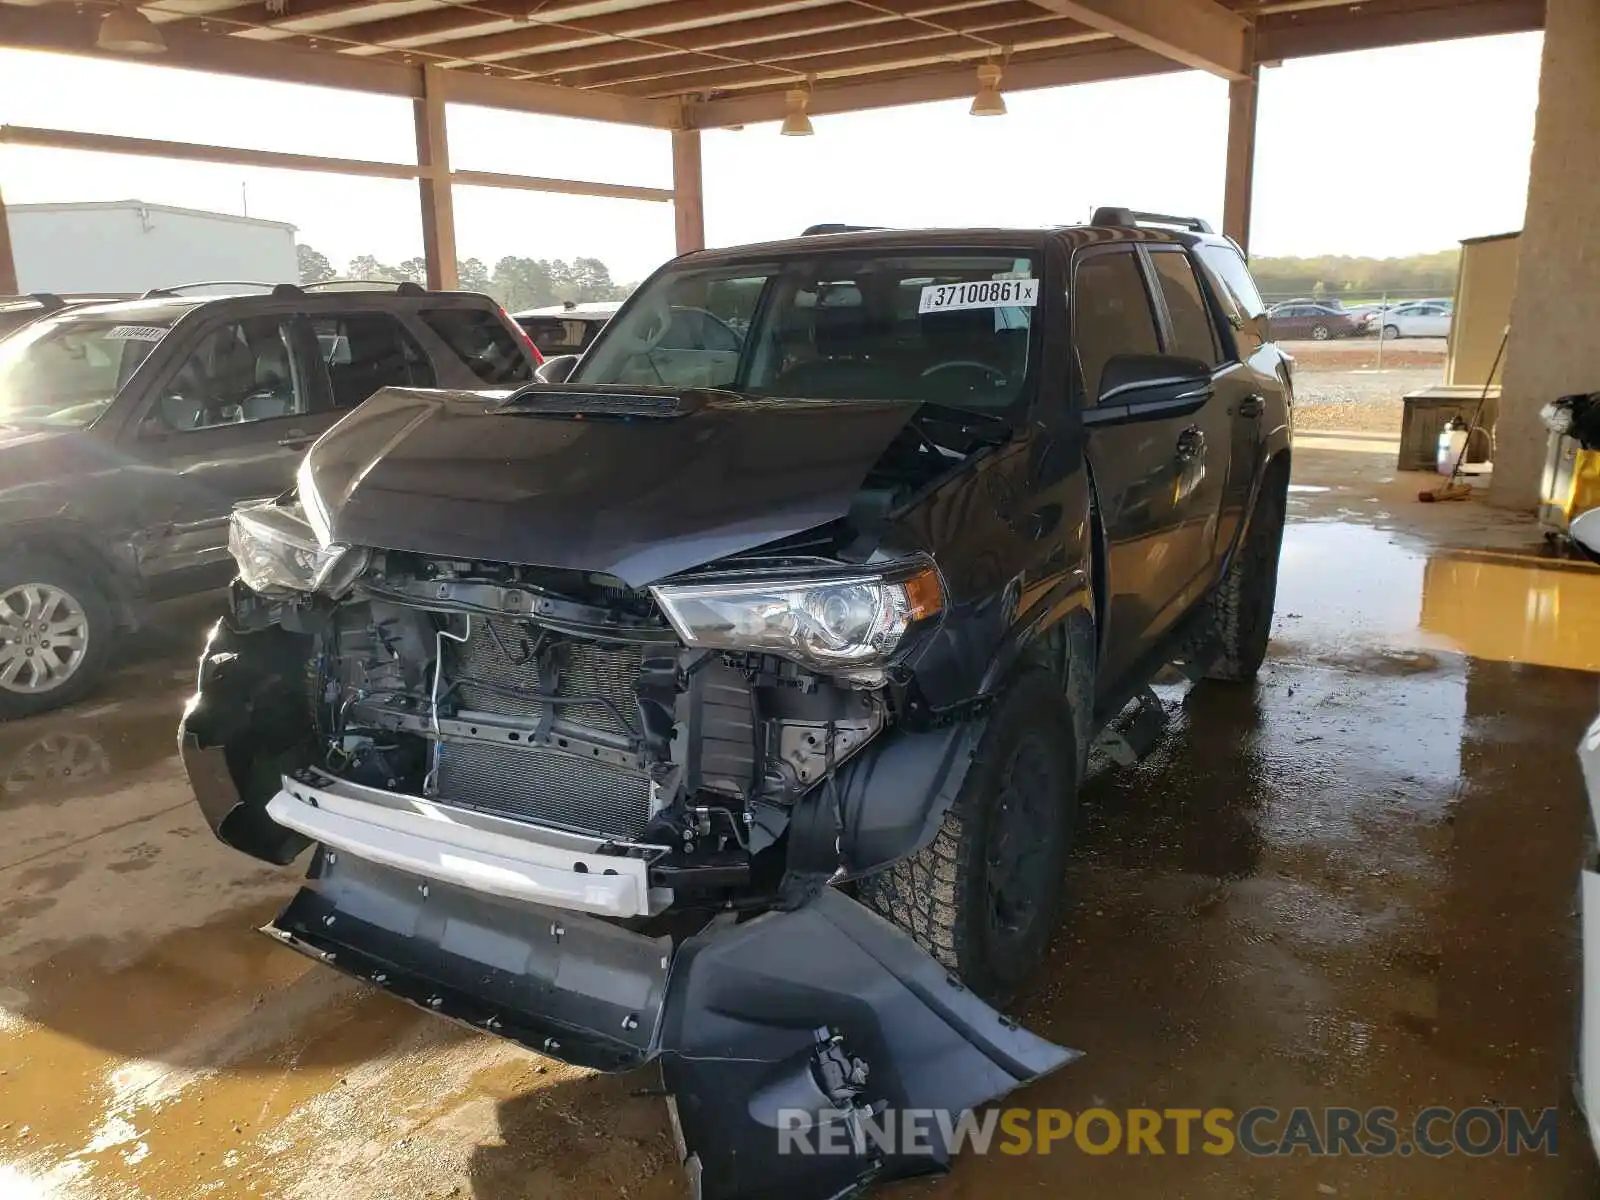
(1350, 588)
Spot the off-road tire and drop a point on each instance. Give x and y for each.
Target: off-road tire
(1238, 619)
(43, 568)
(940, 895)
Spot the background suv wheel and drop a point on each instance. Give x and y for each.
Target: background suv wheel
(55, 634)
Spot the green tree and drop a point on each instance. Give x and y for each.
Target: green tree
(415, 269)
(314, 265)
(474, 275)
(365, 266)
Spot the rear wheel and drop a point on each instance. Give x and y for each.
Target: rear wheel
(1238, 621)
(55, 634)
(984, 896)
(1319, 333)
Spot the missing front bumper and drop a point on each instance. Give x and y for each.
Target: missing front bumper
(733, 1014)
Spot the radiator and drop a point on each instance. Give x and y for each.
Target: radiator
(534, 783)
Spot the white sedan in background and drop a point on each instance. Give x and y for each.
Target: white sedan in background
(1418, 318)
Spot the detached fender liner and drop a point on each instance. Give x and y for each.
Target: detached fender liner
(826, 1013)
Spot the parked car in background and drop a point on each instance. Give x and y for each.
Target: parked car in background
(1304, 319)
(1418, 318)
(128, 431)
(591, 695)
(566, 328)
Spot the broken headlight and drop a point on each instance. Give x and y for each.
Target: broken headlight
(277, 552)
(829, 623)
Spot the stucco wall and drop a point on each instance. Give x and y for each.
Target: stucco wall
(1555, 317)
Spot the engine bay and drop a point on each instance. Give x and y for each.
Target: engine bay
(566, 702)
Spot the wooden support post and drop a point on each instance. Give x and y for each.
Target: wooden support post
(438, 205)
(688, 202)
(1239, 186)
(8, 265)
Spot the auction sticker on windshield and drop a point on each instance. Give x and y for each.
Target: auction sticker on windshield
(983, 293)
(136, 333)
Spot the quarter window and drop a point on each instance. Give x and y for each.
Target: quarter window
(1237, 294)
(481, 340)
(1111, 315)
(1192, 333)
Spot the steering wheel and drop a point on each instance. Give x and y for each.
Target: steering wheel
(995, 374)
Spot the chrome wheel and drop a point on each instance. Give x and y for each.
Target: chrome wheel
(44, 635)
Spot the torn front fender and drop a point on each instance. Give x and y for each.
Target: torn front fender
(246, 726)
(826, 1013)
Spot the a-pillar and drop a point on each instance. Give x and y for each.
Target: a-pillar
(688, 195)
(438, 204)
(1553, 349)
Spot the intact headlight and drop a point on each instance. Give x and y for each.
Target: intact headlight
(277, 551)
(832, 624)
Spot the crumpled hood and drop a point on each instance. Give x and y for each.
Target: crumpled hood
(637, 483)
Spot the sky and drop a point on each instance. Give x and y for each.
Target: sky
(1378, 153)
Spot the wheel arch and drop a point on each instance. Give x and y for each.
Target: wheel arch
(77, 546)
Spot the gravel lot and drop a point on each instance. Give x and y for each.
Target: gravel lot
(1338, 384)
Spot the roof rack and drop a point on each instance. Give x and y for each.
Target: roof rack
(179, 289)
(833, 227)
(1133, 217)
(403, 287)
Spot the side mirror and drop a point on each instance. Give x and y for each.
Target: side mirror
(1585, 533)
(557, 369)
(1169, 381)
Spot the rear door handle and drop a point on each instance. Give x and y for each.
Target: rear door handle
(1191, 444)
(296, 439)
(1252, 406)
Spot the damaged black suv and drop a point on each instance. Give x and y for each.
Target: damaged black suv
(724, 704)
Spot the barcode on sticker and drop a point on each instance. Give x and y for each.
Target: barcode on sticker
(983, 293)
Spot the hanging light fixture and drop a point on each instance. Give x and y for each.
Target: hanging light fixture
(795, 121)
(988, 102)
(126, 30)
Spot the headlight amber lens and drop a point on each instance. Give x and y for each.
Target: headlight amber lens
(829, 624)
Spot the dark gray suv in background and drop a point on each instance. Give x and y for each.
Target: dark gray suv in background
(128, 432)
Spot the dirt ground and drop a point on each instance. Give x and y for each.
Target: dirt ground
(1349, 884)
(1342, 384)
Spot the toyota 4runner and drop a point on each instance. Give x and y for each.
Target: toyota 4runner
(726, 706)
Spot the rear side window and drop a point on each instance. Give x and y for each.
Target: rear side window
(482, 341)
(1236, 292)
(1192, 334)
(1112, 315)
(367, 351)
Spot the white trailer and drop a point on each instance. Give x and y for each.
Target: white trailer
(130, 246)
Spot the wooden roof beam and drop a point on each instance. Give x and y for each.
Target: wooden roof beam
(1195, 33)
(985, 34)
(878, 58)
(1041, 69)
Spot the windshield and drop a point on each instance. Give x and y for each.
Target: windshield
(946, 326)
(66, 370)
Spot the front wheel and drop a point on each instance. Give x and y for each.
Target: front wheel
(55, 634)
(1391, 331)
(984, 896)
(1238, 619)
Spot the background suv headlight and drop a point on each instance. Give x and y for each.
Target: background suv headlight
(829, 623)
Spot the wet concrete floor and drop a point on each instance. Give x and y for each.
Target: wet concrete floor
(1352, 884)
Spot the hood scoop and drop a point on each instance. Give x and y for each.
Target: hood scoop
(544, 400)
